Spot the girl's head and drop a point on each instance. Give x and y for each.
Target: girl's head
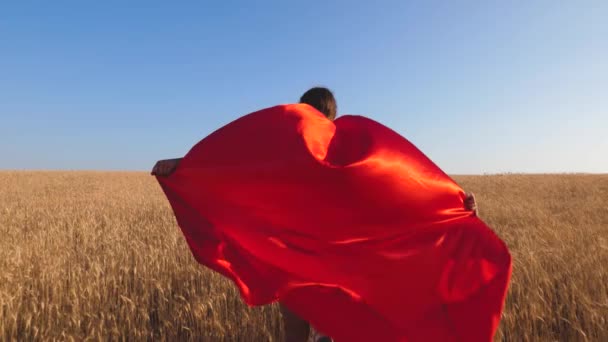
(323, 100)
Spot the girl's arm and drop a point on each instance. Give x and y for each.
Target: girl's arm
(165, 167)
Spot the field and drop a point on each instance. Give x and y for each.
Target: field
(98, 256)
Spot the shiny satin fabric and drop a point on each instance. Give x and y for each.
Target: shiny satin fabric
(346, 222)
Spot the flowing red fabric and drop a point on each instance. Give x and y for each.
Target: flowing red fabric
(346, 223)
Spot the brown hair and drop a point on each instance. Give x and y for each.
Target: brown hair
(323, 100)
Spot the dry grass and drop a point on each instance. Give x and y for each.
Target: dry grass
(87, 255)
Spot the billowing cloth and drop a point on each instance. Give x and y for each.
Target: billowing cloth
(346, 222)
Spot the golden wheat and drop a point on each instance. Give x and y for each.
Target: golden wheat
(98, 256)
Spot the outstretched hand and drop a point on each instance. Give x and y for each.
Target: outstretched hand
(470, 204)
(165, 167)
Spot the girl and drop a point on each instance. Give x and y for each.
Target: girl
(297, 329)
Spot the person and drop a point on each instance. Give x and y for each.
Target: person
(297, 329)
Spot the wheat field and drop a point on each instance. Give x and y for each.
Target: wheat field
(98, 256)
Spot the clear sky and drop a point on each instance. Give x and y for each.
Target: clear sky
(480, 87)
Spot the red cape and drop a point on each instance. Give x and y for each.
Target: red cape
(346, 223)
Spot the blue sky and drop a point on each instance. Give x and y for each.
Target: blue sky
(480, 87)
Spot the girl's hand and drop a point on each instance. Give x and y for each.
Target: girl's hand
(165, 167)
(470, 204)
